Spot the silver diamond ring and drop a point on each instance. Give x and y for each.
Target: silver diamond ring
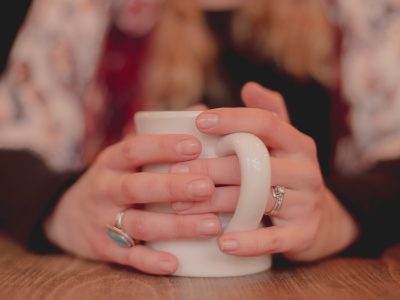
(278, 193)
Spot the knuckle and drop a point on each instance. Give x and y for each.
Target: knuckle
(313, 178)
(268, 120)
(138, 263)
(140, 227)
(128, 150)
(309, 145)
(174, 189)
(181, 227)
(273, 244)
(97, 187)
(133, 261)
(199, 166)
(202, 167)
(127, 187)
(313, 205)
(165, 143)
(312, 208)
(310, 235)
(279, 98)
(101, 186)
(99, 194)
(263, 245)
(184, 187)
(258, 246)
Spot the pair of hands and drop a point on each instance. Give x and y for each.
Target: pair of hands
(311, 223)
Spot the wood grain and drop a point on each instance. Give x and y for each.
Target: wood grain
(24, 275)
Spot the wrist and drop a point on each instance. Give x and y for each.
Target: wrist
(54, 225)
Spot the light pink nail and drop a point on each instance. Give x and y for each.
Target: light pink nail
(207, 121)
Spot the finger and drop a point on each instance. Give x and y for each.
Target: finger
(142, 188)
(223, 170)
(266, 240)
(256, 96)
(292, 173)
(142, 258)
(273, 131)
(150, 226)
(224, 200)
(139, 150)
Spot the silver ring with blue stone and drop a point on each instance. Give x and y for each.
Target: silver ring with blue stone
(118, 219)
(120, 237)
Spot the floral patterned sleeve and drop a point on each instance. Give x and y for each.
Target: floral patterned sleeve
(368, 159)
(53, 59)
(370, 80)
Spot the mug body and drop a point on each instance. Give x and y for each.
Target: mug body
(202, 257)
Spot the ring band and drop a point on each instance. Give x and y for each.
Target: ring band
(118, 235)
(118, 219)
(278, 192)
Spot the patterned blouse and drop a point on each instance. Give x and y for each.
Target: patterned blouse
(370, 66)
(45, 91)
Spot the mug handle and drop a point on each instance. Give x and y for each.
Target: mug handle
(255, 171)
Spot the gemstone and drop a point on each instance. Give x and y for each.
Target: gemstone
(119, 237)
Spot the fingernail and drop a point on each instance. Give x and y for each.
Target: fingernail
(206, 121)
(200, 188)
(208, 227)
(179, 169)
(181, 206)
(167, 266)
(188, 147)
(255, 90)
(229, 245)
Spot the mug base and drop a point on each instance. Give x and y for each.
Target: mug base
(204, 259)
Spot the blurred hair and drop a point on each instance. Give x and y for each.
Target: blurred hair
(294, 34)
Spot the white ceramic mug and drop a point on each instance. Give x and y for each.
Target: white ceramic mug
(203, 258)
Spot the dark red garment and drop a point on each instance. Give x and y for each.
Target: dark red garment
(119, 77)
(339, 109)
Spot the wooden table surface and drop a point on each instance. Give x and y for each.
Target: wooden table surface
(24, 275)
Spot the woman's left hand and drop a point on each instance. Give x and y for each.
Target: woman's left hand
(311, 223)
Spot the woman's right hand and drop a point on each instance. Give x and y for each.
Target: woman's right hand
(114, 183)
